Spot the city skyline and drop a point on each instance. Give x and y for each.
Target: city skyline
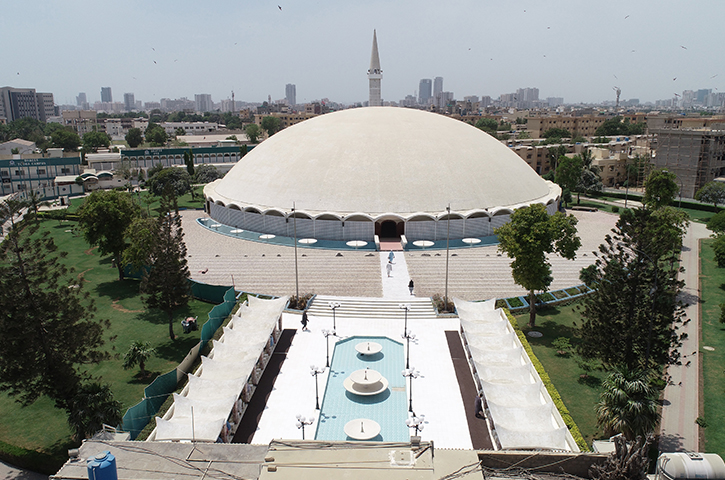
(578, 51)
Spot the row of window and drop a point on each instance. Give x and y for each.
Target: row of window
(40, 171)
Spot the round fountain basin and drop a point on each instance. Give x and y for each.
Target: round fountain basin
(362, 429)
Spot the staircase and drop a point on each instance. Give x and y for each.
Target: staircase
(362, 307)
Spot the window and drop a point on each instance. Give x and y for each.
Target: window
(64, 170)
(19, 173)
(4, 173)
(41, 171)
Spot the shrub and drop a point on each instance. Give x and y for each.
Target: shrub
(717, 222)
(562, 346)
(441, 306)
(515, 302)
(559, 294)
(718, 246)
(300, 303)
(545, 297)
(615, 209)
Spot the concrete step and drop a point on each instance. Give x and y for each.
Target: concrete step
(364, 307)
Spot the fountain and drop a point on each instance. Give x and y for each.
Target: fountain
(365, 382)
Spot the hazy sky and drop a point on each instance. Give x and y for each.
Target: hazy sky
(576, 49)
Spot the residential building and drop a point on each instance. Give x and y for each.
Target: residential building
(190, 128)
(375, 75)
(21, 146)
(46, 106)
(425, 91)
(696, 156)
(177, 105)
(203, 103)
(585, 125)
(555, 101)
(129, 102)
(82, 121)
(288, 118)
(81, 99)
(290, 94)
(106, 96)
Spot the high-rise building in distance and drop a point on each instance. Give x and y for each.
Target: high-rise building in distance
(17, 103)
(290, 93)
(81, 99)
(203, 102)
(424, 91)
(129, 101)
(106, 94)
(375, 75)
(437, 86)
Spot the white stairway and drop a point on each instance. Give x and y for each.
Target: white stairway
(362, 307)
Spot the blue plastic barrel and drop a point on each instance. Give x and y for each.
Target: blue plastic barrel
(102, 467)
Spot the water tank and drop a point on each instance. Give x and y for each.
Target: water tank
(102, 467)
(690, 466)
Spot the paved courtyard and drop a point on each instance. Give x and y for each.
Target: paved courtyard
(475, 273)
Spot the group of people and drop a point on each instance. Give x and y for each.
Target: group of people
(389, 270)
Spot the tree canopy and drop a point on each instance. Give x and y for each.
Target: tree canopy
(617, 126)
(92, 141)
(271, 125)
(631, 318)
(660, 188)
(628, 404)
(156, 135)
(253, 132)
(177, 179)
(104, 217)
(43, 307)
(67, 139)
(206, 173)
(569, 172)
(134, 138)
(712, 192)
(556, 133)
(527, 238)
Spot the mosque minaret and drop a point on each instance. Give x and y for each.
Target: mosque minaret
(375, 75)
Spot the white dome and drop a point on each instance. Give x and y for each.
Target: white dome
(381, 160)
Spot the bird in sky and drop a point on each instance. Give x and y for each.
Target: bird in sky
(714, 75)
(152, 48)
(155, 62)
(626, 17)
(280, 7)
(683, 47)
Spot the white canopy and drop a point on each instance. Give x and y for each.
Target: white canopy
(521, 409)
(214, 388)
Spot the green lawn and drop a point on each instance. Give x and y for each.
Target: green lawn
(185, 201)
(579, 396)
(42, 427)
(713, 335)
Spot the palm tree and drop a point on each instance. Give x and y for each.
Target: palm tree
(628, 404)
(34, 202)
(138, 353)
(590, 180)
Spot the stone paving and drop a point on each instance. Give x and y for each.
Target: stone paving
(475, 273)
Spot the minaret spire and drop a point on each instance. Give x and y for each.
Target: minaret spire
(375, 75)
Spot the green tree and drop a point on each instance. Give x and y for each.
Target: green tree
(253, 132)
(718, 247)
(179, 180)
(243, 150)
(488, 125)
(91, 407)
(660, 189)
(554, 154)
(524, 135)
(138, 354)
(156, 135)
(92, 141)
(34, 202)
(617, 126)
(43, 308)
(717, 222)
(180, 132)
(711, 192)
(569, 172)
(527, 238)
(631, 318)
(556, 133)
(66, 139)
(206, 173)
(165, 284)
(189, 161)
(134, 138)
(104, 217)
(628, 403)
(271, 125)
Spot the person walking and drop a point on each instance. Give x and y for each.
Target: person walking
(389, 267)
(478, 407)
(304, 321)
(411, 285)
(391, 257)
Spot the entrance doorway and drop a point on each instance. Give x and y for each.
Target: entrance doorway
(389, 229)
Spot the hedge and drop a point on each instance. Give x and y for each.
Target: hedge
(555, 397)
(694, 205)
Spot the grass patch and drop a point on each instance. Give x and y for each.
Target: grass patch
(41, 427)
(573, 291)
(150, 203)
(713, 335)
(515, 302)
(559, 294)
(545, 297)
(579, 395)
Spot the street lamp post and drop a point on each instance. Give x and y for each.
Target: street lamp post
(302, 422)
(334, 306)
(315, 371)
(410, 373)
(327, 334)
(406, 307)
(448, 240)
(415, 422)
(408, 336)
(297, 276)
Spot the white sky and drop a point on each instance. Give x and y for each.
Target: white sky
(576, 49)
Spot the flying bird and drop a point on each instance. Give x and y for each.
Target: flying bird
(280, 7)
(152, 48)
(674, 79)
(714, 75)
(155, 62)
(626, 17)
(615, 76)
(684, 47)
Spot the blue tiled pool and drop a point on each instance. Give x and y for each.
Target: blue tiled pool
(389, 408)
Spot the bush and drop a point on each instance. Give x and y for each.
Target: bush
(300, 303)
(615, 209)
(718, 246)
(515, 302)
(559, 294)
(545, 297)
(440, 304)
(717, 223)
(562, 346)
